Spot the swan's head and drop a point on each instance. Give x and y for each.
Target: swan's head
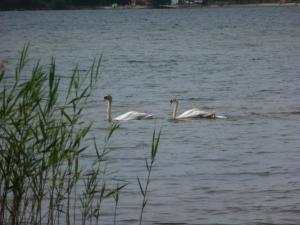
(173, 100)
(108, 98)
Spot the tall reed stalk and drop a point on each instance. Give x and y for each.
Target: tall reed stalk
(43, 136)
(144, 190)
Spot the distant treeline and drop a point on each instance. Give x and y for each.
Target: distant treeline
(56, 4)
(69, 4)
(228, 2)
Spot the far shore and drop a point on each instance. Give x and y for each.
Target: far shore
(202, 6)
(223, 5)
(257, 5)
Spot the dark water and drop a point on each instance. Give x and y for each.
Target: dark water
(240, 62)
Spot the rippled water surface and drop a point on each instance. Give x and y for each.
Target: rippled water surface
(240, 62)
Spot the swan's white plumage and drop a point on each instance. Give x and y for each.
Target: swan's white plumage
(133, 115)
(193, 113)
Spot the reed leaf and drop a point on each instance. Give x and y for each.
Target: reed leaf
(43, 138)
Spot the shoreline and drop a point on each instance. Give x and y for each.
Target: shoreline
(258, 5)
(182, 6)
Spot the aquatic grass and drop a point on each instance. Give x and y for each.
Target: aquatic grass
(144, 190)
(43, 136)
(41, 143)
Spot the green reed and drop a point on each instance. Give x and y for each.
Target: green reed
(144, 190)
(43, 136)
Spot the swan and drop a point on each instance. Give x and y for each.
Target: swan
(132, 115)
(192, 113)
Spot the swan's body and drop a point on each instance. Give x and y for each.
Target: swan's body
(195, 113)
(132, 115)
(192, 113)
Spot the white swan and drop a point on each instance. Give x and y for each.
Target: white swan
(192, 113)
(132, 115)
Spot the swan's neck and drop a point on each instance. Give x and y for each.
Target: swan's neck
(175, 110)
(109, 111)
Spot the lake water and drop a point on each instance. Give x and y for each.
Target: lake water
(243, 63)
